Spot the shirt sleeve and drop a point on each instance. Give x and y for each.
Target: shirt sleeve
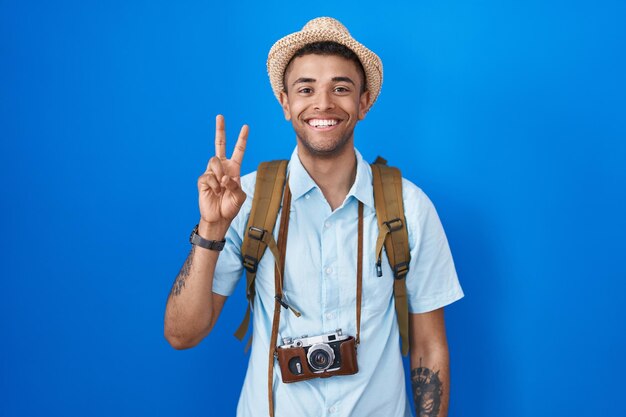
(229, 267)
(432, 281)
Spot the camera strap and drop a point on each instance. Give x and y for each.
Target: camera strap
(279, 269)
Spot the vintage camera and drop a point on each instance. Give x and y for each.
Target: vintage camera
(317, 356)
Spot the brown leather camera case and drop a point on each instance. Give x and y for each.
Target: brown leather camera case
(348, 365)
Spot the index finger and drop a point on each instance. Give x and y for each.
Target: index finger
(220, 137)
(240, 146)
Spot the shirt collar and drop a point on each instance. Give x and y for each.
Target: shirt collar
(300, 182)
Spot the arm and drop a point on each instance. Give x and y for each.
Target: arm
(192, 308)
(430, 369)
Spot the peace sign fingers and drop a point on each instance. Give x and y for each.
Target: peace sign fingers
(219, 188)
(220, 141)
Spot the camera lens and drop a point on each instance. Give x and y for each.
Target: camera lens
(320, 357)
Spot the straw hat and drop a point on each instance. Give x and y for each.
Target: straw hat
(319, 30)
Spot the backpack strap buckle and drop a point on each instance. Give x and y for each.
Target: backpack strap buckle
(250, 263)
(393, 225)
(400, 270)
(256, 233)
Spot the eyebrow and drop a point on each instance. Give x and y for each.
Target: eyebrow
(302, 80)
(344, 79)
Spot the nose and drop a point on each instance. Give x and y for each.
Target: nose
(324, 101)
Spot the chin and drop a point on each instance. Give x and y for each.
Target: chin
(325, 149)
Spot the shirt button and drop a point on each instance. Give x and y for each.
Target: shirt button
(307, 196)
(329, 270)
(330, 316)
(332, 409)
(327, 225)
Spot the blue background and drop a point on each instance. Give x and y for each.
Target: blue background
(511, 115)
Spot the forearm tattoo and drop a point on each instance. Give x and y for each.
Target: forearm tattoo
(427, 391)
(179, 283)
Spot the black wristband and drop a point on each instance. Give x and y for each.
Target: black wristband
(196, 239)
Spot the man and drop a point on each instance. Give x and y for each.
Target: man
(326, 82)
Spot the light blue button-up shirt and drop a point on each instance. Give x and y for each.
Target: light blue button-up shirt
(320, 282)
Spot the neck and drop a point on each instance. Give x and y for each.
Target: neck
(334, 175)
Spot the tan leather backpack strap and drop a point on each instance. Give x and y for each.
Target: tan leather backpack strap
(258, 235)
(278, 298)
(241, 331)
(393, 235)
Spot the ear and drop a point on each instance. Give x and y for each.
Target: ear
(364, 104)
(284, 101)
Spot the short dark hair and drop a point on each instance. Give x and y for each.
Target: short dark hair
(329, 48)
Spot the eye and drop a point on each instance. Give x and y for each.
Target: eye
(305, 90)
(341, 89)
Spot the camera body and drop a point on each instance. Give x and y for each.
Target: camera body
(317, 356)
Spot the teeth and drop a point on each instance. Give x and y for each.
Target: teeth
(322, 122)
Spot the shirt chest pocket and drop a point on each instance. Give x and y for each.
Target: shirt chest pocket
(377, 291)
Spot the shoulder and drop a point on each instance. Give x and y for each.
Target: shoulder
(248, 183)
(413, 196)
(419, 210)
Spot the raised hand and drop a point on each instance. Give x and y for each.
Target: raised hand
(219, 188)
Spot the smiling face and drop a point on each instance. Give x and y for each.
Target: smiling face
(324, 102)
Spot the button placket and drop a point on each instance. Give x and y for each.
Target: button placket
(329, 274)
